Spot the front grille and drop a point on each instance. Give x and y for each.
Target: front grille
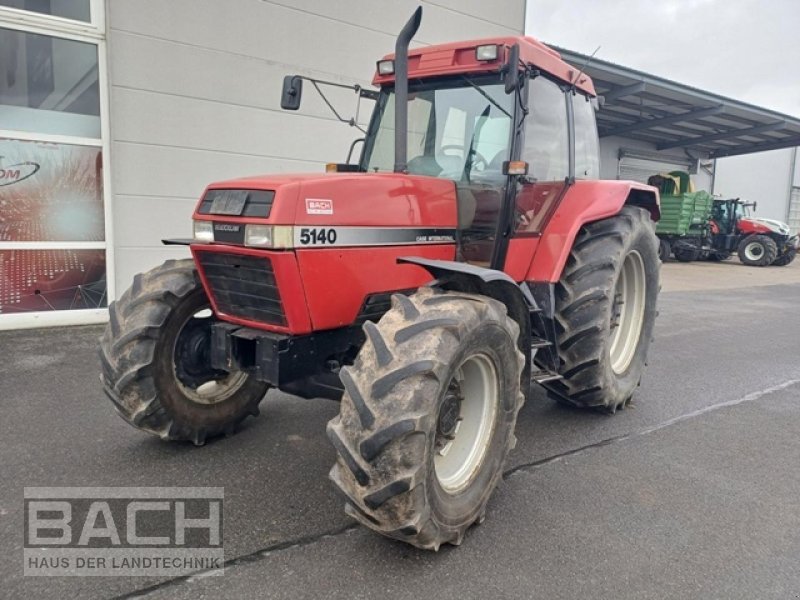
(257, 203)
(377, 305)
(243, 286)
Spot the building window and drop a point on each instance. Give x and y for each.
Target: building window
(48, 85)
(76, 10)
(56, 279)
(50, 192)
(547, 136)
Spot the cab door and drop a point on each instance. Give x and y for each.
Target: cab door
(561, 144)
(546, 150)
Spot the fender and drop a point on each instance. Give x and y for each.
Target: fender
(585, 202)
(464, 277)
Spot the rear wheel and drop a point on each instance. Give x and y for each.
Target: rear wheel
(758, 250)
(785, 258)
(427, 417)
(719, 255)
(155, 354)
(686, 251)
(664, 250)
(606, 310)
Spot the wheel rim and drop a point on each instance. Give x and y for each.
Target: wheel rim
(627, 314)
(753, 251)
(193, 373)
(466, 422)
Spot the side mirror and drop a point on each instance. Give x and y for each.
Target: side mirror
(292, 92)
(511, 78)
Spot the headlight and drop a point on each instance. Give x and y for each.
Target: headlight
(203, 231)
(258, 235)
(488, 52)
(269, 236)
(385, 67)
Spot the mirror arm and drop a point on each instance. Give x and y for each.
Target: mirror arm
(362, 93)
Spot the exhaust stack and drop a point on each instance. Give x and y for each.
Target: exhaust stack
(401, 91)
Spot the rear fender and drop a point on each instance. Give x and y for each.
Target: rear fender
(585, 202)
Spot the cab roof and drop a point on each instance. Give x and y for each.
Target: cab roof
(459, 57)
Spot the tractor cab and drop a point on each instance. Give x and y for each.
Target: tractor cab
(727, 213)
(496, 117)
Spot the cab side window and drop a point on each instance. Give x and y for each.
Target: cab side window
(546, 146)
(587, 144)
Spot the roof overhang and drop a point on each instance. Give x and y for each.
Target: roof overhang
(673, 116)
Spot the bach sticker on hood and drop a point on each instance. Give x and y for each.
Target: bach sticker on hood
(319, 206)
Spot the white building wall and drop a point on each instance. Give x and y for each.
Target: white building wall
(609, 160)
(195, 87)
(796, 169)
(763, 177)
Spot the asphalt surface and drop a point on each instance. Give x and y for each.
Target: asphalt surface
(692, 492)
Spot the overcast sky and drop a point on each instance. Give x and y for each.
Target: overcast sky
(744, 49)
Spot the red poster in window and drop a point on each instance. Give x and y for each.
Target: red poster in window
(50, 193)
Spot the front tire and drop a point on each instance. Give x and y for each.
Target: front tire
(427, 417)
(155, 354)
(758, 250)
(606, 310)
(785, 258)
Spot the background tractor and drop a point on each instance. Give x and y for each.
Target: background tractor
(697, 226)
(426, 293)
(759, 242)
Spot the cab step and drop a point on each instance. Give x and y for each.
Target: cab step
(545, 376)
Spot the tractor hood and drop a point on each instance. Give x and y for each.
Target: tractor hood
(350, 199)
(764, 225)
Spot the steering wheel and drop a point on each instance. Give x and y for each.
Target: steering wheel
(477, 157)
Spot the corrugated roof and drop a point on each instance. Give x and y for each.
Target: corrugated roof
(672, 115)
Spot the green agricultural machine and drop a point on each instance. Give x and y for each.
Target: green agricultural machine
(684, 222)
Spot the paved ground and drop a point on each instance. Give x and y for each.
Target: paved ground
(730, 274)
(690, 493)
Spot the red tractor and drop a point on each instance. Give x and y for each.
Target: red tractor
(426, 293)
(759, 242)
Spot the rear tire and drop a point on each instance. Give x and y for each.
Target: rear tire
(758, 250)
(664, 250)
(719, 255)
(155, 358)
(785, 258)
(428, 415)
(603, 345)
(686, 251)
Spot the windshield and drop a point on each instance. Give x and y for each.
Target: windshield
(458, 129)
(743, 210)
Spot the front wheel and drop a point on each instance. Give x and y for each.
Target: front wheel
(155, 354)
(785, 258)
(758, 250)
(606, 310)
(427, 418)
